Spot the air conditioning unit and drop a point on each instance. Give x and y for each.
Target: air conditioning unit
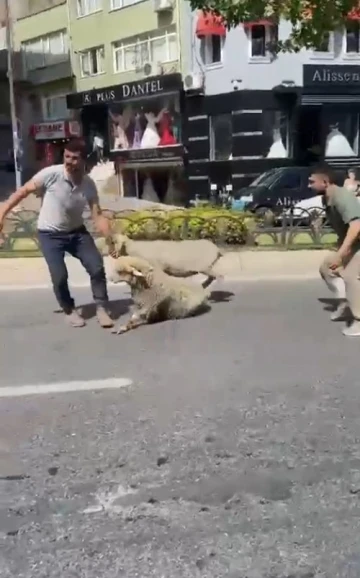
(147, 69)
(193, 81)
(163, 5)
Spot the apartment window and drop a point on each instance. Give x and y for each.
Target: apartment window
(117, 4)
(92, 61)
(211, 49)
(326, 47)
(220, 137)
(86, 7)
(133, 54)
(261, 36)
(45, 50)
(54, 107)
(352, 37)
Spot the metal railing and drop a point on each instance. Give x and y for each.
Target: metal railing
(226, 228)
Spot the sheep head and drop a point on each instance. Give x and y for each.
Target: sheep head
(132, 271)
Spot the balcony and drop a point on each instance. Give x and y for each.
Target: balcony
(49, 73)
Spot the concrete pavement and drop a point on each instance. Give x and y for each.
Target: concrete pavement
(233, 451)
(242, 265)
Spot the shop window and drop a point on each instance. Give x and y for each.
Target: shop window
(276, 132)
(146, 123)
(92, 61)
(134, 53)
(117, 4)
(352, 37)
(261, 39)
(211, 49)
(342, 134)
(85, 7)
(220, 137)
(45, 50)
(54, 108)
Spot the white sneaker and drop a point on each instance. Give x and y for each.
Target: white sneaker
(353, 330)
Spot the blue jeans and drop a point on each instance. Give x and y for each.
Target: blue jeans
(78, 244)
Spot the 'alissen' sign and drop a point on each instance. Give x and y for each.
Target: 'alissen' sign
(150, 86)
(337, 76)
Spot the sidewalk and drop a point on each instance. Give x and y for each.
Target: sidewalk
(242, 266)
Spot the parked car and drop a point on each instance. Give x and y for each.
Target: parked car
(277, 190)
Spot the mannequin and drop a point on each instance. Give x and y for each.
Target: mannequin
(120, 125)
(337, 144)
(150, 138)
(137, 133)
(172, 193)
(149, 193)
(165, 129)
(277, 149)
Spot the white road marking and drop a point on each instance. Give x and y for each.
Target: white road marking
(65, 387)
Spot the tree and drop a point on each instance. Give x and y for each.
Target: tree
(310, 20)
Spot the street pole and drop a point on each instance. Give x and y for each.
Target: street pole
(10, 73)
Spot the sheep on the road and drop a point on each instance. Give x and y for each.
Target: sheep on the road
(177, 258)
(156, 295)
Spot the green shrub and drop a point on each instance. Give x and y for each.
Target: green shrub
(219, 225)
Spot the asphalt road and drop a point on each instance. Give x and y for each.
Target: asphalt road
(234, 451)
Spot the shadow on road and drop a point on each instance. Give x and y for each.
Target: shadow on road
(329, 303)
(221, 296)
(118, 308)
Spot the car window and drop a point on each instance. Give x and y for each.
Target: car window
(265, 179)
(290, 180)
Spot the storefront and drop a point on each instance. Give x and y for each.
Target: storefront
(329, 115)
(50, 139)
(234, 137)
(140, 126)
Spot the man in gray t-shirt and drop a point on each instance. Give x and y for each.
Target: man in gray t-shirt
(66, 192)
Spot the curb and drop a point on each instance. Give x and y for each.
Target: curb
(20, 274)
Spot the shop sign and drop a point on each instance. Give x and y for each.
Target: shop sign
(150, 86)
(339, 76)
(160, 153)
(50, 130)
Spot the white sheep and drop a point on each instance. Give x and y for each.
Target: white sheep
(177, 258)
(156, 295)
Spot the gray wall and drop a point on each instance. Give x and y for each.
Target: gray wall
(236, 64)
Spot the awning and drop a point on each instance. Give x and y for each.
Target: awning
(354, 14)
(262, 22)
(209, 24)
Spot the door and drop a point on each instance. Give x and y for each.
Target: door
(309, 137)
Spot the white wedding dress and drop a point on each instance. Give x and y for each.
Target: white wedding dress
(277, 149)
(150, 138)
(337, 145)
(149, 193)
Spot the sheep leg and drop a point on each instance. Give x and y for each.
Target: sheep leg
(208, 281)
(134, 321)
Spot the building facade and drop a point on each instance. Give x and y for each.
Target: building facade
(258, 110)
(45, 77)
(126, 59)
